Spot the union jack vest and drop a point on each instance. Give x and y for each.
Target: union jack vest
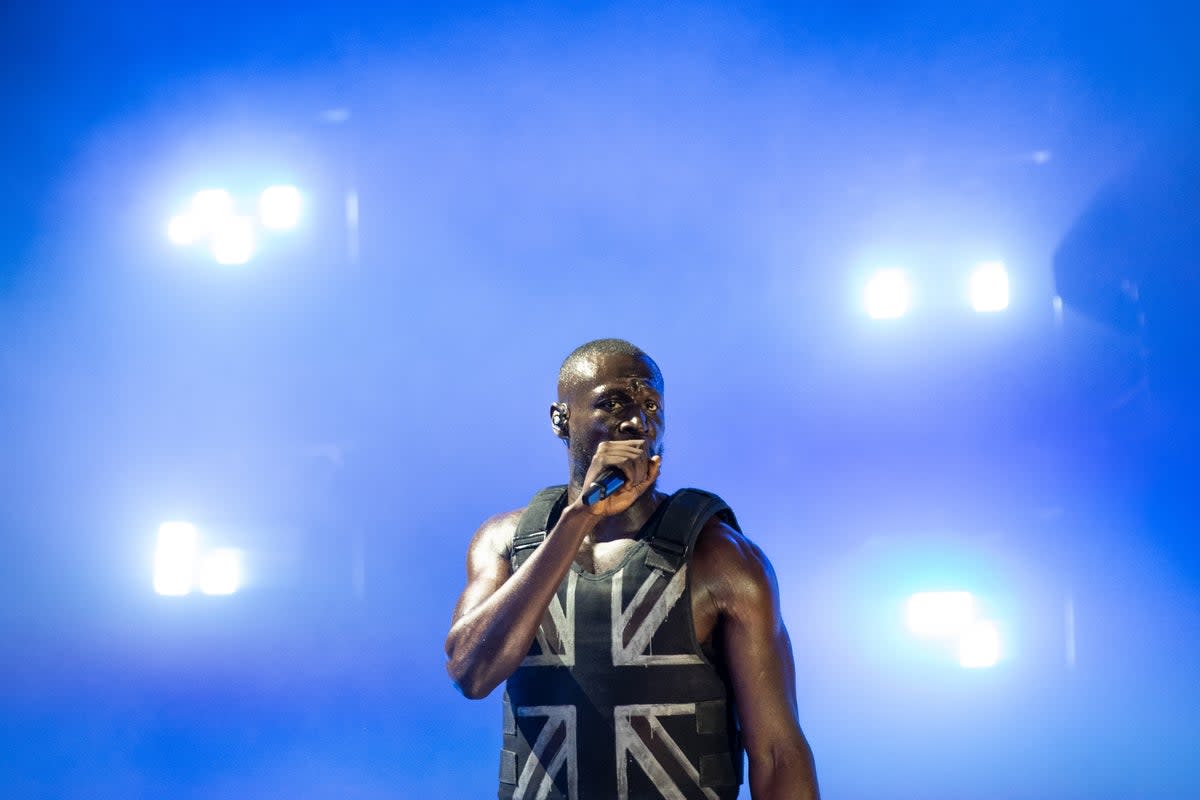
(616, 698)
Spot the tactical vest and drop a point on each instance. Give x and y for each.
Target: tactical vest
(616, 698)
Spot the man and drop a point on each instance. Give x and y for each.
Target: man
(640, 636)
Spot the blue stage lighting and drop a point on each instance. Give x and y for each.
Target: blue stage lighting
(174, 558)
(184, 229)
(954, 617)
(221, 571)
(989, 287)
(279, 207)
(233, 241)
(210, 208)
(888, 294)
(979, 645)
(218, 220)
(940, 614)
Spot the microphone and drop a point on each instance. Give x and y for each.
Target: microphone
(607, 482)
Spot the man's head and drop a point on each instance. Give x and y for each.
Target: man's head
(607, 389)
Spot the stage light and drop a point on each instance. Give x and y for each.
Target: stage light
(979, 645)
(989, 287)
(210, 208)
(221, 571)
(939, 614)
(888, 294)
(229, 228)
(279, 207)
(184, 229)
(233, 241)
(174, 558)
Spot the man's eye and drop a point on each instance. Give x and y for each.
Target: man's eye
(610, 405)
(651, 406)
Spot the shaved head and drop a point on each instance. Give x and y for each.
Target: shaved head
(583, 362)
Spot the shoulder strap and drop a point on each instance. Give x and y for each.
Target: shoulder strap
(687, 512)
(542, 510)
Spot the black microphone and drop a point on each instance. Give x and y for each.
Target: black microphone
(608, 481)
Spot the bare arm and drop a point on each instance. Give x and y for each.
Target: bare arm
(499, 612)
(759, 654)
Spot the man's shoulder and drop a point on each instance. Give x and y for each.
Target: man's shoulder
(505, 519)
(496, 532)
(715, 534)
(729, 563)
(720, 540)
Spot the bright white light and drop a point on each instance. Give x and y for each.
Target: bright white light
(979, 645)
(233, 241)
(184, 229)
(989, 287)
(938, 614)
(221, 571)
(888, 295)
(174, 559)
(279, 207)
(210, 208)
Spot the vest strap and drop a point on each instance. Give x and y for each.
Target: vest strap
(687, 512)
(545, 506)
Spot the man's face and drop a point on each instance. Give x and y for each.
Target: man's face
(619, 397)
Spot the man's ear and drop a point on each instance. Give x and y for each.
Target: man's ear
(558, 420)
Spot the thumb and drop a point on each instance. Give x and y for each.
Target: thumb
(655, 468)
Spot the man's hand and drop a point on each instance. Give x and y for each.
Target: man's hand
(629, 456)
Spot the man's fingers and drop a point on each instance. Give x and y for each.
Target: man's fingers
(610, 444)
(630, 457)
(627, 449)
(649, 473)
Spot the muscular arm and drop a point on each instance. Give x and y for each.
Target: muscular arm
(741, 584)
(498, 614)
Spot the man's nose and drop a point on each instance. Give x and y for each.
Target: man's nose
(634, 423)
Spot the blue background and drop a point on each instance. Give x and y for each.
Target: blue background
(712, 183)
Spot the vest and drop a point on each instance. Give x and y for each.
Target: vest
(616, 698)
